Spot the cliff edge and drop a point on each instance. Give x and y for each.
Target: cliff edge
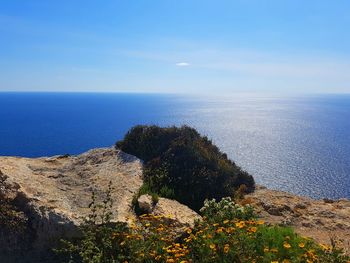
(54, 193)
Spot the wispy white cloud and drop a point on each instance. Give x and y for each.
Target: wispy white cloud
(182, 64)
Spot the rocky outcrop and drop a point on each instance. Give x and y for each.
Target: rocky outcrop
(182, 216)
(54, 193)
(321, 220)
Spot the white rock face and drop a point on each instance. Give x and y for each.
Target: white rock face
(180, 213)
(55, 192)
(182, 216)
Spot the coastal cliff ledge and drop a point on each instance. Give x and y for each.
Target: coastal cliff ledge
(54, 193)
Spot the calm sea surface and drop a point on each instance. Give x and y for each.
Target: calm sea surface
(301, 145)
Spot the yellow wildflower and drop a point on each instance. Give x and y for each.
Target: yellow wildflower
(230, 230)
(240, 224)
(219, 230)
(324, 247)
(286, 245)
(252, 229)
(212, 246)
(301, 245)
(226, 248)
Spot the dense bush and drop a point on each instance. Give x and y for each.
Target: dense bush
(182, 164)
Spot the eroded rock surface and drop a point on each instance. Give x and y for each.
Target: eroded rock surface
(319, 219)
(182, 216)
(55, 192)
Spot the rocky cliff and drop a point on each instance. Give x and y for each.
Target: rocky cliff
(54, 194)
(321, 220)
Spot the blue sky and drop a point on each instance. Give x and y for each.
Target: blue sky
(175, 46)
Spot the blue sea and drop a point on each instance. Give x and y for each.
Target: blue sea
(297, 144)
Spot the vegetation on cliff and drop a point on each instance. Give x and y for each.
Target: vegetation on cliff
(179, 163)
(228, 233)
(183, 165)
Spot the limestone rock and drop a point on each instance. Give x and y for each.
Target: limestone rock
(181, 215)
(319, 219)
(145, 204)
(54, 193)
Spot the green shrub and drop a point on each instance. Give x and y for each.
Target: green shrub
(181, 163)
(226, 209)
